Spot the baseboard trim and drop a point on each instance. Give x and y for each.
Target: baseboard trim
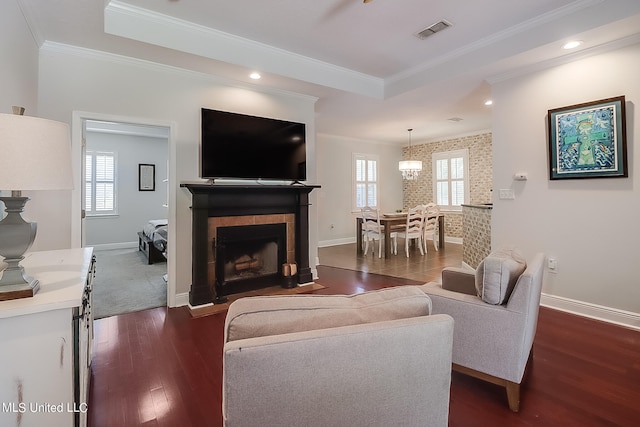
(181, 299)
(468, 267)
(593, 311)
(336, 242)
(108, 246)
(580, 308)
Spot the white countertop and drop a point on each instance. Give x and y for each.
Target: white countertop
(62, 275)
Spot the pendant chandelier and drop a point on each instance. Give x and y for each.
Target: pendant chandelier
(410, 168)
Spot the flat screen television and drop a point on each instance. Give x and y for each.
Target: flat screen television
(238, 146)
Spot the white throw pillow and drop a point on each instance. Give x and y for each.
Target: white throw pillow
(497, 275)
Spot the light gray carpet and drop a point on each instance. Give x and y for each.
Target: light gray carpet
(124, 283)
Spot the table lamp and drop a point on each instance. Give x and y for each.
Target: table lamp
(35, 154)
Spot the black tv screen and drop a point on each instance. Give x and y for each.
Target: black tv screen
(247, 147)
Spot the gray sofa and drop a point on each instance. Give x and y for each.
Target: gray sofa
(372, 359)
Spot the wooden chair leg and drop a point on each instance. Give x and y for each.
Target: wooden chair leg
(513, 395)
(513, 389)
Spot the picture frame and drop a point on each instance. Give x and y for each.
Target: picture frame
(146, 177)
(588, 140)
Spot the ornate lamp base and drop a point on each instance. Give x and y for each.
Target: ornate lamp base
(16, 237)
(26, 290)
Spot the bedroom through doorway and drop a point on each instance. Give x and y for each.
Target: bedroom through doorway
(125, 200)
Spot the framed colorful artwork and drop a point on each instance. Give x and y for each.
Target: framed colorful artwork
(588, 140)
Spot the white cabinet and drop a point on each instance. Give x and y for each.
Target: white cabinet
(46, 343)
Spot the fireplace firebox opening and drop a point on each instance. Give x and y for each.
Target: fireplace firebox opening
(249, 257)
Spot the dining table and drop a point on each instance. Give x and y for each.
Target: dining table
(393, 222)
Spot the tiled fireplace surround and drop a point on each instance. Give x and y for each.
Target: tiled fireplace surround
(220, 205)
(248, 220)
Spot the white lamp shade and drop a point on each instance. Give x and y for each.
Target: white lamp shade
(35, 154)
(415, 165)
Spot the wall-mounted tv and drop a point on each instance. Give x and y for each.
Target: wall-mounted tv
(239, 146)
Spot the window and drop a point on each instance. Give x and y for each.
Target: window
(365, 181)
(100, 183)
(451, 179)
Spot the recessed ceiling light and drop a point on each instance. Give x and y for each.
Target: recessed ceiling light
(488, 102)
(255, 76)
(572, 44)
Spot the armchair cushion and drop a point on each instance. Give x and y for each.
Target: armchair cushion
(497, 275)
(458, 279)
(273, 315)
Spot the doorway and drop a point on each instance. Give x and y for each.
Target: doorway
(118, 230)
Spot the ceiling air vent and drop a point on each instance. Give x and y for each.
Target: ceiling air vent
(438, 26)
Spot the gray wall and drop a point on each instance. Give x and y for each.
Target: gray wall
(336, 221)
(73, 82)
(589, 225)
(19, 71)
(135, 207)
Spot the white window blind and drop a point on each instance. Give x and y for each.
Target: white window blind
(365, 181)
(100, 183)
(451, 179)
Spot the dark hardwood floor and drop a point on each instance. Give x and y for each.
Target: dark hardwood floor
(160, 367)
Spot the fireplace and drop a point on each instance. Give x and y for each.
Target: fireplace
(218, 206)
(249, 257)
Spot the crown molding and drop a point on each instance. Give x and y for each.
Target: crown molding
(472, 55)
(357, 140)
(31, 23)
(132, 22)
(565, 59)
(81, 52)
(506, 34)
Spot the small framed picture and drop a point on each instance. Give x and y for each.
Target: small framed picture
(146, 177)
(588, 140)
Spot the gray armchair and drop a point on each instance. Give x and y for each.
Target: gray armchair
(495, 311)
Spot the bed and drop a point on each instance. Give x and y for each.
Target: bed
(152, 240)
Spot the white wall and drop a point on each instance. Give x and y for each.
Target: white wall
(135, 207)
(72, 79)
(334, 175)
(19, 86)
(590, 226)
(19, 53)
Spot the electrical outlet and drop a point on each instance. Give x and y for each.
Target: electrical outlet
(507, 194)
(552, 265)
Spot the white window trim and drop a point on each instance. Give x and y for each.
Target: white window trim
(464, 153)
(114, 211)
(363, 156)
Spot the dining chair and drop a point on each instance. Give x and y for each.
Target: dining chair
(371, 229)
(413, 230)
(431, 214)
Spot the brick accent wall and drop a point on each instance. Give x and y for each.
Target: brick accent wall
(480, 174)
(476, 235)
